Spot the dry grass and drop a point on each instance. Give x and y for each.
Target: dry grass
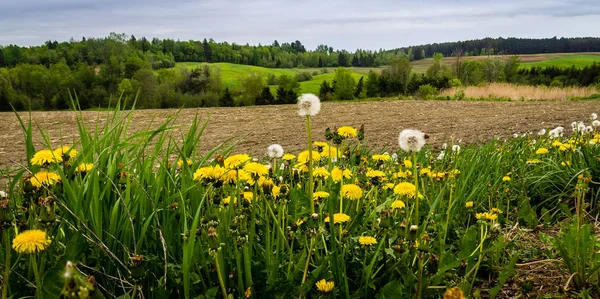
(518, 92)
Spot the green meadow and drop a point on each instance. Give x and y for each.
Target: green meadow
(231, 74)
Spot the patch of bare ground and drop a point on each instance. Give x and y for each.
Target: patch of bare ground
(257, 127)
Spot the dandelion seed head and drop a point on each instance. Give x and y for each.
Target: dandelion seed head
(411, 140)
(308, 105)
(275, 151)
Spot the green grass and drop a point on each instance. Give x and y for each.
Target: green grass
(231, 74)
(579, 61)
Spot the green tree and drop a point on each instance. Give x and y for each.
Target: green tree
(471, 72)
(265, 97)
(226, 99)
(359, 88)
(372, 85)
(436, 68)
(397, 76)
(511, 69)
(287, 91)
(251, 87)
(144, 82)
(493, 70)
(325, 91)
(343, 84)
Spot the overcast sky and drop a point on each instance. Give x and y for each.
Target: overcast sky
(371, 24)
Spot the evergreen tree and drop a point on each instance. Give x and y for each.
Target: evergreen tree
(359, 88)
(207, 51)
(372, 85)
(265, 97)
(226, 99)
(325, 91)
(342, 59)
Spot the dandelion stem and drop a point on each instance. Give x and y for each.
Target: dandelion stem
(220, 275)
(38, 278)
(310, 166)
(310, 250)
(416, 176)
(448, 214)
(6, 263)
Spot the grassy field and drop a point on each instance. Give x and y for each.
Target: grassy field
(527, 60)
(141, 204)
(231, 74)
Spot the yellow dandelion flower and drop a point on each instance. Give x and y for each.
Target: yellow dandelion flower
(496, 210)
(388, 186)
(248, 196)
(288, 157)
(367, 240)
(230, 177)
(486, 216)
(236, 161)
(320, 195)
(324, 286)
(329, 152)
(320, 144)
(227, 200)
(210, 173)
(84, 167)
(45, 157)
(425, 171)
(542, 151)
(506, 178)
(454, 293)
(187, 160)
(376, 174)
(256, 169)
(351, 191)
(381, 158)
(533, 161)
(556, 143)
(321, 173)
(302, 167)
(565, 147)
(407, 163)
(65, 152)
(405, 189)
(338, 174)
(31, 241)
(347, 132)
(45, 178)
(338, 218)
(303, 156)
(265, 182)
(469, 204)
(398, 204)
(276, 191)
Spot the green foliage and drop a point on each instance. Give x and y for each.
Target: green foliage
(343, 84)
(427, 91)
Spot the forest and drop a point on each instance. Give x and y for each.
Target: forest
(99, 70)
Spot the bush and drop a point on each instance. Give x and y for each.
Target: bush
(427, 91)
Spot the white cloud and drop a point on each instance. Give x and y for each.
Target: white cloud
(341, 24)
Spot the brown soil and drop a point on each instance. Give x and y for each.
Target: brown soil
(258, 127)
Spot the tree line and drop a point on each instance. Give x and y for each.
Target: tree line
(164, 53)
(99, 71)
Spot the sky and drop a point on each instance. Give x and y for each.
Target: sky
(351, 24)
